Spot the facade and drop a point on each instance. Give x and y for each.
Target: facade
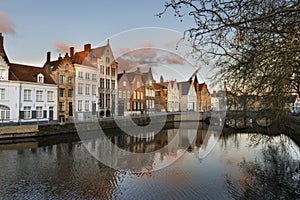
(100, 64)
(173, 100)
(86, 97)
(148, 89)
(188, 96)
(62, 72)
(136, 92)
(28, 93)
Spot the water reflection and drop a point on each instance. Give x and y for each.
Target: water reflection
(241, 166)
(273, 175)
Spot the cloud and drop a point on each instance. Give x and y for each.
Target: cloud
(6, 24)
(173, 59)
(61, 47)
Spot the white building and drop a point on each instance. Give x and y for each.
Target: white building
(95, 82)
(188, 97)
(85, 91)
(173, 96)
(27, 94)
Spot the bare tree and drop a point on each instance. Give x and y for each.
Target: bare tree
(256, 43)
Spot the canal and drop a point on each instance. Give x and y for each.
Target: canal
(239, 166)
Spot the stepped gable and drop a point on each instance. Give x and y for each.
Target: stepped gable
(26, 73)
(89, 56)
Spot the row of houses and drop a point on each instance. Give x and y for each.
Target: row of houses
(87, 84)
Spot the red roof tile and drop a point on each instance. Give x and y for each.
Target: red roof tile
(19, 72)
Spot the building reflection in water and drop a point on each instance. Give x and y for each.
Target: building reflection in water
(151, 151)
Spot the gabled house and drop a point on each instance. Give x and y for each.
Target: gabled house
(188, 96)
(173, 97)
(27, 93)
(139, 87)
(62, 72)
(96, 82)
(203, 95)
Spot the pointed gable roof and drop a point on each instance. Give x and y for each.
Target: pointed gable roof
(26, 73)
(184, 87)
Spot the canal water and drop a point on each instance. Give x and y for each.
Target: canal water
(239, 166)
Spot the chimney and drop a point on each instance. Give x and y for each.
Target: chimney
(71, 52)
(87, 48)
(1, 41)
(48, 56)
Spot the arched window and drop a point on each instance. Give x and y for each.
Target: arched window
(4, 113)
(40, 78)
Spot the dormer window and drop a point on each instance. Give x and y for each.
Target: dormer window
(40, 78)
(2, 74)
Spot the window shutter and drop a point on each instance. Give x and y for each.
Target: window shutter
(45, 114)
(33, 114)
(21, 114)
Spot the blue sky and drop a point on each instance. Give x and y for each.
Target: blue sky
(41, 26)
(31, 28)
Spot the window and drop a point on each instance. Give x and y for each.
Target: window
(124, 83)
(70, 80)
(39, 112)
(61, 92)
(94, 77)
(70, 93)
(107, 83)
(101, 83)
(5, 114)
(113, 84)
(39, 95)
(50, 96)
(107, 70)
(61, 106)
(128, 94)
(67, 67)
(138, 84)
(79, 105)
(40, 78)
(128, 105)
(2, 74)
(120, 93)
(142, 95)
(87, 89)
(61, 79)
(142, 106)
(87, 105)
(134, 94)
(107, 60)
(87, 76)
(101, 100)
(93, 89)
(80, 74)
(101, 69)
(2, 93)
(113, 71)
(27, 95)
(80, 87)
(27, 112)
(138, 95)
(107, 101)
(124, 94)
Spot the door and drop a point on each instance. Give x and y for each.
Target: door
(50, 113)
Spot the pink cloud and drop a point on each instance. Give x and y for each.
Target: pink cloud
(6, 24)
(147, 44)
(173, 59)
(62, 47)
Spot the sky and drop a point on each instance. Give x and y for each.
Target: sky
(31, 28)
